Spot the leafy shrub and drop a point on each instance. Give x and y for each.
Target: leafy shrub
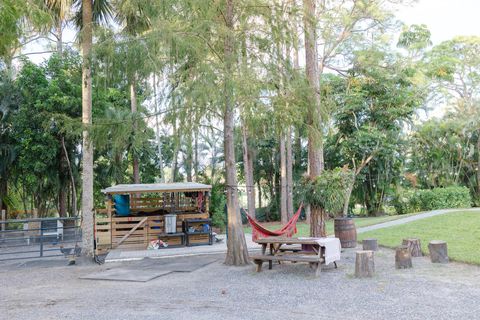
(218, 201)
(443, 198)
(410, 201)
(328, 190)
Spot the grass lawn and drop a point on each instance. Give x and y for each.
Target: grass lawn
(303, 229)
(461, 231)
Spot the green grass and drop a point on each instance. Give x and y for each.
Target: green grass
(303, 229)
(460, 230)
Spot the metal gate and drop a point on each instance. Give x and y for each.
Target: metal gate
(39, 238)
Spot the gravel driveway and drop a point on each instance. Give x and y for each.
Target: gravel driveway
(50, 290)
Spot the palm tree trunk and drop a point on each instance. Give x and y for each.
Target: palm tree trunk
(315, 139)
(133, 105)
(237, 253)
(87, 146)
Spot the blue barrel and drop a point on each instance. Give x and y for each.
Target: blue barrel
(122, 204)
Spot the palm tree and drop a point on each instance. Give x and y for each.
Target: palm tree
(90, 12)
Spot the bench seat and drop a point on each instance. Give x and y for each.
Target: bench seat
(310, 258)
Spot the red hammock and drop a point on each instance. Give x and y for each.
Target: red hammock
(288, 230)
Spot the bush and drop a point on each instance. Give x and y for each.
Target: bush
(218, 201)
(410, 201)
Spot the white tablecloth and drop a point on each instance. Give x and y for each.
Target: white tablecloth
(332, 247)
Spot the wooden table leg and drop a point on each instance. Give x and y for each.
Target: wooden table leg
(270, 264)
(264, 248)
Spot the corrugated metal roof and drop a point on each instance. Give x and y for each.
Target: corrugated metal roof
(158, 187)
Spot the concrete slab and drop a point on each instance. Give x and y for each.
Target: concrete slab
(148, 269)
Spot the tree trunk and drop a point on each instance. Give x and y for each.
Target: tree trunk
(195, 156)
(157, 130)
(259, 194)
(175, 151)
(188, 160)
(283, 181)
(87, 146)
(237, 253)
(348, 194)
(72, 179)
(62, 201)
(59, 35)
(133, 105)
(315, 138)
(248, 168)
(289, 173)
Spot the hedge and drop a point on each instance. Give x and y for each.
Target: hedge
(431, 199)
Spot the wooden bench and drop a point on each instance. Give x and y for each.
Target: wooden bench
(310, 258)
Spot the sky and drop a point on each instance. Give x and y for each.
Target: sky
(444, 18)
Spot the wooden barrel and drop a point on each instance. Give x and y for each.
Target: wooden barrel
(347, 233)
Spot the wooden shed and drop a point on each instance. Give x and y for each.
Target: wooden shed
(134, 215)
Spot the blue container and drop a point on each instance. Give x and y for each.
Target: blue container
(122, 204)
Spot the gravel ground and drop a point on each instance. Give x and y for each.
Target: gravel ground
(49, 290)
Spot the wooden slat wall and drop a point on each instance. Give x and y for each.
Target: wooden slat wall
(109, 231)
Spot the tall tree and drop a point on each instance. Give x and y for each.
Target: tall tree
(314, 119)
(87, 146)
(237, 253)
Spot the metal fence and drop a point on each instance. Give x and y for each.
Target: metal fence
(39, 238)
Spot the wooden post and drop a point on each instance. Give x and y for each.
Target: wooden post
(413, 246)
(438, 251)
(403, 259)
(370, 244)
(364, 264)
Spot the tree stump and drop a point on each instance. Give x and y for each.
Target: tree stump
(413, 246)
(364, 264)
(438, 251)
(403, 259)
(370, 244)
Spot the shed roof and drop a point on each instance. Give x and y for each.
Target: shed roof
(157, 187)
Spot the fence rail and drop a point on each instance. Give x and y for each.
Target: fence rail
(39, 237)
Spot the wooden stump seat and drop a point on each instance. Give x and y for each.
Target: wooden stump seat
(438, 251)
(370, 244)
(364, 264)
(403, 258)
(413, 246)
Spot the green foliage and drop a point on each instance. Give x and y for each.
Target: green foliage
(328, 190)
(431, 199)
(218, 201)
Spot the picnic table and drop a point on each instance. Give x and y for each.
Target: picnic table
(291, 249)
